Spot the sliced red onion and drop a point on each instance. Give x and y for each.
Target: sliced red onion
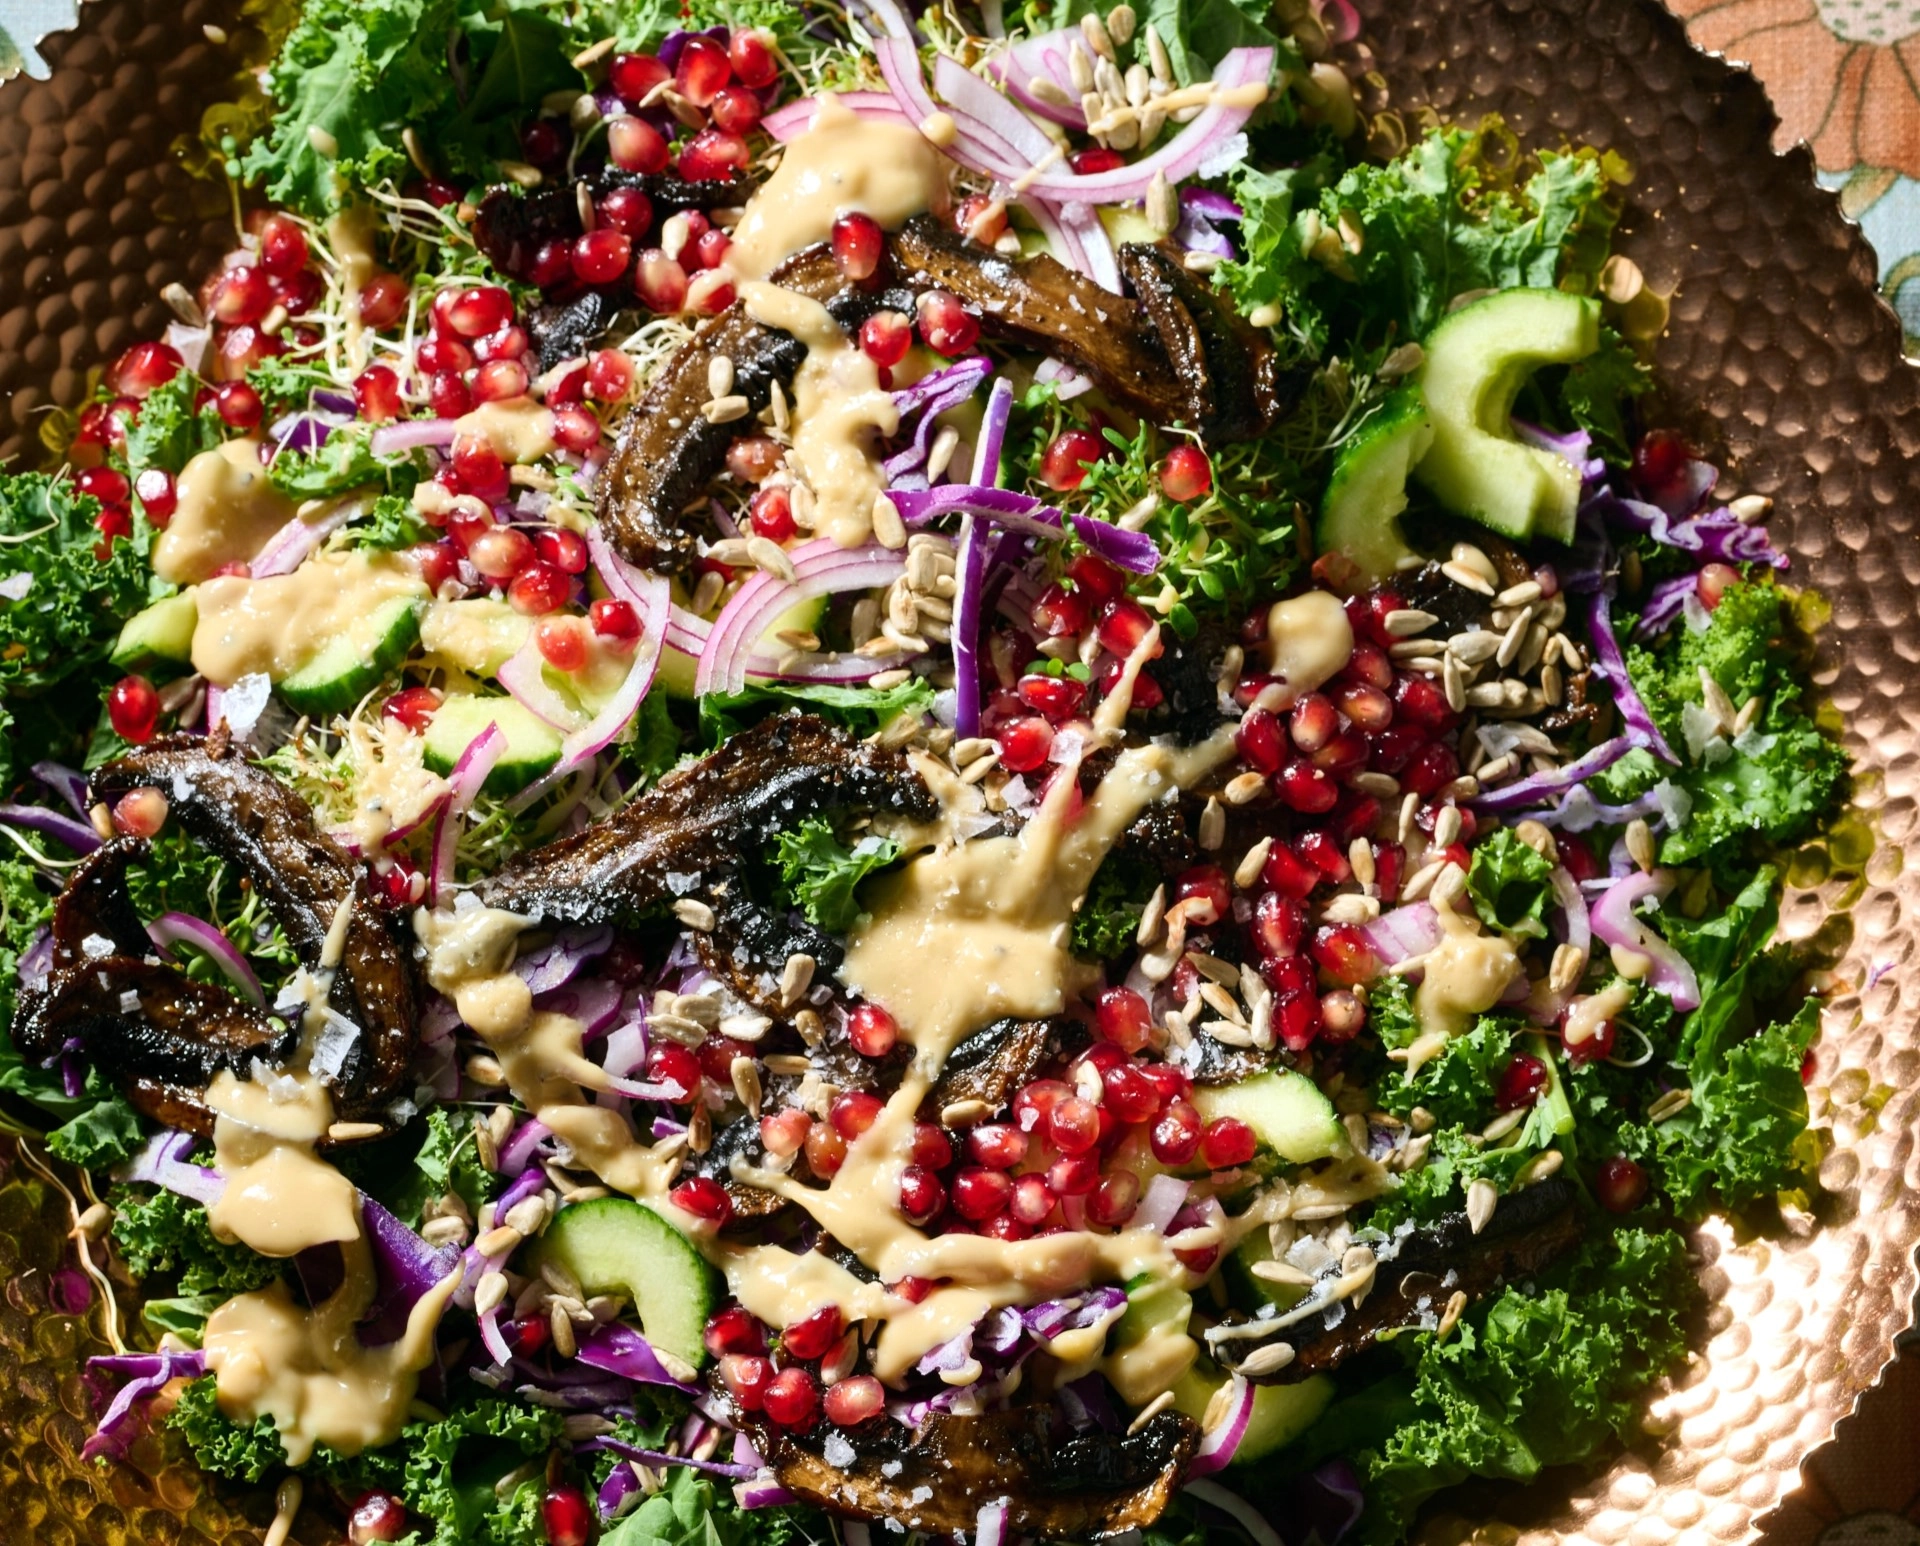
(184, 929)
(1078, 238)
(69, 785)
(411, 435)
(494, 1339)
(71, 833)
(1218, 1444)
(301, 432)
(1611, 667)
(990, 1525)
(1243, 1513)
(1566, 891)
(464, 784)
(1615, 923)
(787, 123)
(822, 568)
(288, 548)
(1164, 1197)
(762, 1493)
(1067, 382)
(619, 1349)
(1404, 932)
(524, 677)
(521, 1145)
(147, 1373)
(995, 120)
(1043, 57)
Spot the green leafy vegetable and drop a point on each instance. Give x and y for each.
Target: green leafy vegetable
(1109, 918)
(241, 1452)
(345, 461)
(691, 1511)
(392, 524)
(1510, 884)
(169, 432)
(102, 1135)
(819, 874)
(159, 1231)
(185, 1317)
(862, 710)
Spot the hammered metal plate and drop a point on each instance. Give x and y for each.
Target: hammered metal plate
(1780, 358)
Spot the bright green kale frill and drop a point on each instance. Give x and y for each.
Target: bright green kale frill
(819, 873)
(163, 1232)
(1510, 884)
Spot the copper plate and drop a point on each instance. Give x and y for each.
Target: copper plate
(1780, 356)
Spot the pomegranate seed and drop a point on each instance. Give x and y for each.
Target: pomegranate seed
(1620, 1184)
(133, 708)
(885, 337)
(1186, 474)
(1369, 664)
(1712, 583)
(544, 143)
(714, 155)
(704, 1198)
(1074, 1125)
(1366, 706)
(784, 1132)
(238, 404)
(634, 145)
(673, 1065)
(448, 396)
(853, 1112)
(1389, 865)
(1576, 857)
(140, 812)
(283, 246)
(476, 312)
(1099, 1056)
(754, 458)
(1297, 1021)
(855, 1400)
(857, 243)
(242, 348)
(113, 523)
(241, 296)
(468, 521)
(1278, 924)
(143, 368)
(576, 430)
(826, 1150)
(750, 52)
(441, 355)
(565, 1515)
(1129, 1094)
(1175, 1135)
(299, 293)
(999, 1145)
(1024, 744)
(158, 496)
(946, 326)
(1344, 953)
(413, 707)
(560, 643)
(1123, 625)
(1355, 816)
(736, 110)
(615, 619)
(660, 282)
(1031, 1201)
(1521, 1083)
(1346, 753)
(1660, 461)
(712, 292)
(981, 218)
(746, 1377)
(1433, 767)
(565, 550)
(921, 1194)
(873, 1032)
(770, 514)
(376, 393)
(1124, 1019)
(500, 552)
(375, 1519)
(1063, 465)
(1324, 855)
(1226, 1142)
(609, 375)
(1342, 1014)
(1061, 613)
(734, 1330)
(931, 1146)
(1306, 789)
(1287, 873)
(1422, 702)
(1595, 1048)
(1096, 578)
(1073, 1175)
(383, 300)
(1034, 1102)
(1261, 745)
(1114, 1199)
(437, 562)
(701, 70)
(601, 256)
(979, 1193)
(1093, 161)
(1393, 749)
(626, 210)
(814, 1334)
(1208, 885)
(478, 467)
(104, 484)
(633, 76)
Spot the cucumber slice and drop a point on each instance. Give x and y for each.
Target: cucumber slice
(1477, 360)
(1286, 1111)
(1360, 515)
(533, 746)
(163, 631)
(479, 635)
(1281, 1413)
(353, 663)
(614, 1245)
(1149, 1349)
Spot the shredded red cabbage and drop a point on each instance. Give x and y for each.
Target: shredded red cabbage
(1611, 667)
(1130, 550)
(147, 1373)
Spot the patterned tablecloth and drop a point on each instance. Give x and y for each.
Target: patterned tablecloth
(1845, 75)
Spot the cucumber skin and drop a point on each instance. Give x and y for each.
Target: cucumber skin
(306, 692)
(1360, 514)
(585, 1238)
(1475, 467)
(516, 768)
(162, 630)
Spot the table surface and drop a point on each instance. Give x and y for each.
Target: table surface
(1845, 76)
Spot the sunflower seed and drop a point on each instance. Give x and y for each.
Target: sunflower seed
(1382, 786)
(1454, 682)
(500, 1241)
(1750, 507)
(1482, 1198)
(1360, 857)
(1450, 1316)
(1405, 622)
(795, 978)
(695, 914)
(1475, 646)
(1446, 826)
(1120, 24)
(1749, 712)
(1671, 1104)
(1213, 824)
(1569, 966)
(1640, 844)
(1349, 907)
(1255, 860)
(1277, 1271)
(745, 1074)
(1511, 640)
(719, 368)
(1503, 1124)
(1151, 1410)
(1462, 576)
(725, 410)
(1150, 917)
(1719, 705)
(1243, 788)
(1519, 595)
(1270, 1359)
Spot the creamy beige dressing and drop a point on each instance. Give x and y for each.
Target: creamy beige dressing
(840, 414)
(280, 1196)
(277, 625)
(350, 236)
(841, 164)
(477, 636)
(307, 1370)
(1308, 640)
(519, 430)
(1464, 976)
(392, 784)
(1587, 1015)
(228, 511)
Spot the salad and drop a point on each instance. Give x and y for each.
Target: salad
(797, 774)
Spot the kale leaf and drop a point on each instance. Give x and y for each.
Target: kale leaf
(819, 874)
(104, 1134)
(160, 1231)
(1109, 918)
(1510, 884)
(241, 1452)
(343, 462)
(691, 1511)
(169, 432)
(862, 710)
(392, 524)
